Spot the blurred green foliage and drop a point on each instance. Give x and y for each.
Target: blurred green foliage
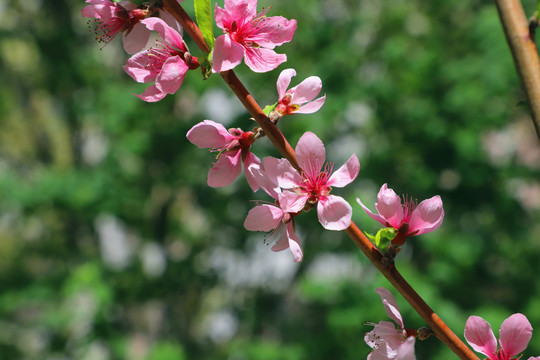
(113, 247)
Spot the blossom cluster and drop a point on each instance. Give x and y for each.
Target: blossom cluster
(251, 36)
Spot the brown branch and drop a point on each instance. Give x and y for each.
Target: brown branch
(524, 52)
(435, 323)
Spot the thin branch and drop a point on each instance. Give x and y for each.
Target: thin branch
(435, 323)
(524, 51)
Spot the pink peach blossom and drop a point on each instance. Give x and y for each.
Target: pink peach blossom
(277, 218)
(249, 35)
(298, 99)
(408, 218)
(387, 342)
(233, 147)
(111, 18)
(165, 64)
(514, 336)
(314, 184)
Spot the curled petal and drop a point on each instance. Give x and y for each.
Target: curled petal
(172, 75)
(389, 206)
(152, 94)
(166, 32)
(209, 134)
(283, 81)
(251, 165)
(137, 38)
(515, 334)
(334, 213)
(312, 106)
(427, 216)
(390, 306)
(310, 153)
(375, 217)
(306, 91)
(262, 60)
(479, 335)
(137, 68)
(263, 218)
(289, 240)
(346, 173)
(227, 54)
(225, 170)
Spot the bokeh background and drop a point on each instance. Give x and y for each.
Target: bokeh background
(112, 246)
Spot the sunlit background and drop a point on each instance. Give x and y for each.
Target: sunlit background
(112, 246)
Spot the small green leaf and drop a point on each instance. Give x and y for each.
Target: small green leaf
(203, 14)
(383, 238)
(269, 108)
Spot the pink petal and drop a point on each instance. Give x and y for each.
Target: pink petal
(346, 173)
(281, 172)
(390, 306)
(136, 67)
(227, 54)
(171, 21)
(263, 218)
(166, 32)
(137, 38)
(225, 170)
(479, 335)
(241, 10)
(262, 60)
(515, 334)
(251, 165)
(389, 206)
(380, 333)
(264, 182)
(312, 106)
(306, 91)
(406, 350)
(385, 339)
(294, 243)
(427, 216)
(100, 12)
(289, 239)
(375, 217)
(334, 213)
(152, 94)
(283, 81)
(220, 15)
(273, 31)
(172, 74)
(209, 134)
(310, 153)
(292, 202)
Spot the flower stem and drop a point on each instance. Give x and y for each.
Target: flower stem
(524, 51)
(276, 137)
